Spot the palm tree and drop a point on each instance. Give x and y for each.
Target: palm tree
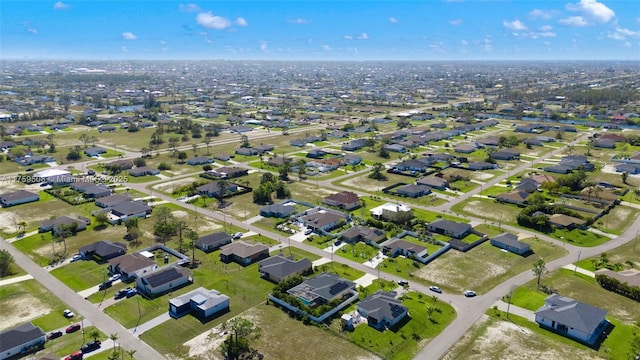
(131, 353)
(430, 310)
(94, 333)
(113, 338)
(207, 141)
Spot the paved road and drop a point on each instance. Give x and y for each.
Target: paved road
(82, 307)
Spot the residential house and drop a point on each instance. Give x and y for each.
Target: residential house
(20, 340)
(599, 193)
(433, 182)
(413, 191)
(466, 148)
(316, 153)
(94, 151)
(566, 222)
(395, 148)
(279, 210)
(163, 280)
(229, 172)
(111, 200)
(202, 303)
(214, 241)
(382, 310)
(95, 191)
(243, 253)
(345, 200)
(491, 141)
(18, 197)
(298, 142)
(323, 220)
(396, 247)
(277, 161)
(481, 165)
(278, 268)
(632, 169)
(323, 289)
(510, 243)
(130, 209)
(246, 151)
(354, 145)
(263, 148)
(505, 154)
(371, 236)
(450, 228)
(222, 156)
(572, 318)
(350, 159)
(143, 171)
(120, 165)
(518, 197)
(217, 189)
(131, 266)
(34, 159)
(199, 160)
(604, 143)
(412, 165)
(527, 185)
(54, 225)
(392, 212)
(240, 129)
(102, 250)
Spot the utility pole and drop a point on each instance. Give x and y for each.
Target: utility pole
(636, 240)
(509, 302)
(576, 268)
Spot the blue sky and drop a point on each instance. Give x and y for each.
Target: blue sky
(321, 30)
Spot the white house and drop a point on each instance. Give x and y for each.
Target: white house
(392, 212)
(20, 340)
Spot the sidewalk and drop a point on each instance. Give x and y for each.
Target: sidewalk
(579, 270)
(138, 330)
(16, 279)
(516, 310)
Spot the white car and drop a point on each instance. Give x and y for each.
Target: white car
(469, 293)
(76, 257)
(68, 313)
(237, 235)
(115, 277)
(435, 289)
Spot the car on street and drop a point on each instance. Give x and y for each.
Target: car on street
(68, 313)
(72, 328)
(403, 283)
(29, 169)
(90, 346)
(75, 356)
(76, 257)
(115, 277)
(54, 335)
(469, 293)
(435, 289)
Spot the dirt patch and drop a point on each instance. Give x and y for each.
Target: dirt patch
(180, 213)
(443, 273)
(19, 310)
(169, 186)
(206, 346)
(478, 175)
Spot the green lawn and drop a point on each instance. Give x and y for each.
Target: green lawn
(622, 255)
(579, 237)
(342, 270)
(358, 252)
(92, 274)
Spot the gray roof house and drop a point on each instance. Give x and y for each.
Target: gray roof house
(279, 210)
(20, 340)
(215, 189)
(213, 241)
(94, 151)
(131, 266)
(382, 310)
(130, 209)
(18, 197)
(362, 233)
(163, 280)
(199, 160)
(103, 250)
(143, 171)
(433, 182)
(510, 243)
(278, 268)
(55, 224)
(450, 228)
(243, 253)
(572, 318)
(323, 289)
(413, 191)
(112, 200)
(202, 303)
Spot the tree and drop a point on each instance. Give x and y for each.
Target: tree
(139, 162)
(539, 268)
(383, 153)
(113, 338)
(636, 193)
(164, 227)
(376, 172)
(193, 237)
(173, 143)
(207, 141)
(240, 331)
(94, 334)
(131, 353)
(244, 141)
(85, 139)
(624, 176)
(195, 149)
(182, 156)
(5, 263)
(180, 226)
(283, 171)
(301, 169)
(102, 218)
(430, 310)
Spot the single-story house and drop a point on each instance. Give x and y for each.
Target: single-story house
(392, 212)
(505, 154)
(263, 148)
(130, 209)
(18, 197)
(112, 200)
(354, 145)
(95, 191)
(278, 268)
(278, 161)
(345, 200)
(510, 243)
(199, 160)
(323, 289)
(481, 165)
(605, 143)
(323, 220)
(350, 159)
(382, 310)
(216, 189)
(277, 210)
(298, 142)
(413, 191)
(518, 197)
(395, 148)
(20, 340)
(246, 151)
(316, 153)
(103, 250)
(397, 247)
(229, 172)
(54, 224)
(466, 148)
(566, 222)
(201, 303)
(433, 182)
(94, 151)
(213, 241)
(120, 164)
(163, 280)
(450, 228)
(528, 185)
(143, 171)
(222, 156)
(34, 159)
(632, 169)
(243, 253)
(365, 234)
(131, 266)
(572, 318)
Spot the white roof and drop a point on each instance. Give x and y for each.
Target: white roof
(51, 172)
(390, 207)
(146, 254)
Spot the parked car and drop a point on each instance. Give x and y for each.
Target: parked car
(73, 328)
(54, 335)
(131, 292)
(120, 294)
(91, 172)
(308, 231)
(435, 289)
(237, 236)
(115, 277)
(90, 346)
(76, 257)
(29, 169)
(105, 285)
(469, 293)
(403, 283)
(75, 356)
(68, 313)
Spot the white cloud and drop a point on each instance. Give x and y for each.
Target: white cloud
(163, 42)
(593, 9)
(621, 34)
(60, 6)
(264, 46)
(362, 36)
(208, 20)
(574, 21)
(393, 20)
(32, 30)
(455, 22)
(242, 22)
(128, 36)
(298, 21)
(514, 25)
(189, 7)
(125, 49)
(546, 28)
(464, 42)
(348, 37)
(541, 14)
(326, 48)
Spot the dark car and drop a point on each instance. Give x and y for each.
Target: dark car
(75, 356)
(90, 346)
(29, 169)
(91, 172)
(73, 328)
(105, 285)
(131, 292)
(403, 283)
(54, 335)
(120, 294)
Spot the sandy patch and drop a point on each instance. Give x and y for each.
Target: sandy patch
(206, 346)
(478, 175)
(169, 186)
(206, 226)
(180, 213)
(21, 309)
